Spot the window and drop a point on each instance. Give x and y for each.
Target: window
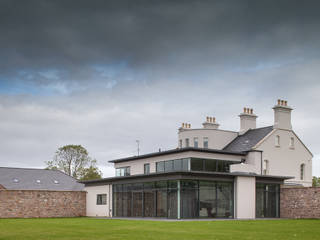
(160, 166)
(195, 142)
(168, 166)
(277, 141)
(180, 143)
(173, 165)
(56, 182)
(291, 142)
(123, 171)
(265, 167)
(101, 199)
(302, 166)
(146, 168)
(205, 142)
(187, 142)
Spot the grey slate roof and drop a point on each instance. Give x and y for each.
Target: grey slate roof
(26, 179)
(245, 142)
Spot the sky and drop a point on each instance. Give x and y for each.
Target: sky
(104, 74)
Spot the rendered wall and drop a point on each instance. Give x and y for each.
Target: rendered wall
(245, 197)
(93, 209)
(284, 160)
(301, 202)
(38, 204)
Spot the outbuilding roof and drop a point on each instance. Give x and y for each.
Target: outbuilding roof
(37, 179)
(248, 140)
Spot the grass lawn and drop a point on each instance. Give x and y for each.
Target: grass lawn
(95, 229)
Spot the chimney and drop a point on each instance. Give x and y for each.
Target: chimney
(185, 126)
(210, 123)
(247, 120)
(282, 115)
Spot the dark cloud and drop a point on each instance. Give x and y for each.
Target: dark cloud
(162, 36)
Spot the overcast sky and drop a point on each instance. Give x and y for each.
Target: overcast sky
(105, 73)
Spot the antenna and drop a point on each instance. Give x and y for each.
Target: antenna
(138, 146)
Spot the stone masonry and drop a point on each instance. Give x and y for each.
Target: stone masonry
(37, 203)
(302, 202)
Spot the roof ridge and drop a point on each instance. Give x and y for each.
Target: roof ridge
(31, 168)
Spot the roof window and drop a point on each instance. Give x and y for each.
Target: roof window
(15, 180)
(56, 181)
(38, 181)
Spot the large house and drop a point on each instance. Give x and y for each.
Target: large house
(213, 173)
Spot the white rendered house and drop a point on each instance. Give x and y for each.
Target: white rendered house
(212, 173)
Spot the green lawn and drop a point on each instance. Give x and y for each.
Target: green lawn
(95, 229)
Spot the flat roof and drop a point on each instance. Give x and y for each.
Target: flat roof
(182, 175)
(178, 150)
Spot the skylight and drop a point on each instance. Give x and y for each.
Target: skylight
(15, 180)
(38, 181)
(56, 182)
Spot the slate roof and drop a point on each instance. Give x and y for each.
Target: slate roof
(28, 179)
(247, 141)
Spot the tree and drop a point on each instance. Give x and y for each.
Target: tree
(72, 160)
(316, 182)
(91, 173)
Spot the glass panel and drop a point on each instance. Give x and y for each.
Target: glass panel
(149, 203)
(127, 171)
(196, 164)
(160, 166)
(187, 142)
(162, 203)
(210, 165)
(168, 166)
(189, 199)
(127, 200)
(161, 184)
(172, 203)
(224, 200)
(185, 164)
(137, 204)
(118, 172)
(267, 200)
(207, 198)
(146, 168)
(177, 164)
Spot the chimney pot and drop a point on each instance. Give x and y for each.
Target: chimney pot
(214, 119)
(279, 101)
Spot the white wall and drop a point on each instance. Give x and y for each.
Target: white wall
(94, 210)
(218, 139)
(136, 166)
(284, 160)
(245, 197)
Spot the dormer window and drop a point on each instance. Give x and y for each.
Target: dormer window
(277, 141)
(291, 142)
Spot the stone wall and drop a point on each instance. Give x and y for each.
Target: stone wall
(303, 202)
(37, 204)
